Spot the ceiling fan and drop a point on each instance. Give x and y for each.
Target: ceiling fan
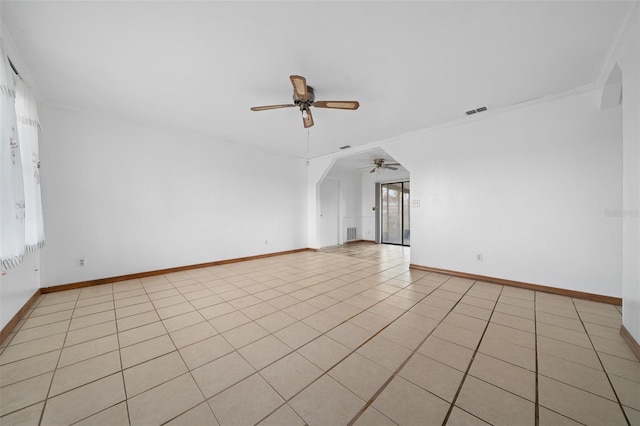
(304, 98)
(379, 164)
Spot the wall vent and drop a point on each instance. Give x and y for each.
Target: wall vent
(351, 233)
(473, 111)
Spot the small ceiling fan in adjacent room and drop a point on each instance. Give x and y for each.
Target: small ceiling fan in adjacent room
(379, 165)
(304, 98)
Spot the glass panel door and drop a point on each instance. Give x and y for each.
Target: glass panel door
(394, 202)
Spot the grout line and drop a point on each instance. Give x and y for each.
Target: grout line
(475, 352)
(601, 363)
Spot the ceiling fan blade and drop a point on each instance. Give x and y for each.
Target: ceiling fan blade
(390, 168)
(308, 120)
(373, 170)
(266, 107)
(353, 105)
(392, 164)
(299, 86)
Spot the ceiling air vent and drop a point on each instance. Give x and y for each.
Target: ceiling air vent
(473, 111)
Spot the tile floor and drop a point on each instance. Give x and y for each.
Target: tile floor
(342, 336)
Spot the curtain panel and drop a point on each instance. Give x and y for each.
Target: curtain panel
(21, 223)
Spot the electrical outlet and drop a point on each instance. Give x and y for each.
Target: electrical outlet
(479, 257)
(82, 262)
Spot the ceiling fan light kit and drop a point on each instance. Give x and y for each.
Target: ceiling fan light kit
(304, 99)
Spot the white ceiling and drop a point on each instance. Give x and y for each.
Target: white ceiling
(197, 67)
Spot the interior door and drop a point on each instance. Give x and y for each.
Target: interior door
(394, 203)
(329, 213)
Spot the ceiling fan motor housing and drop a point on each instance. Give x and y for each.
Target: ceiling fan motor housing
(305, 102)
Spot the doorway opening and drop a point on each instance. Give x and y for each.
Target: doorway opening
(394, 213)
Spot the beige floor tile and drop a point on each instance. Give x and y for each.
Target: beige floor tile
(360, 376)
(34, 333)
(384, 352)
(205, 351)
(200, 415)
(140, 334)
(578, 338)
(264, 351)
(182, 321)
(144, 351)
(551, 418)
(290, 374)
(494, 405)
(632, 415)
(164, 294)
(276, 321)
(46, 319)
(298, 310)
(559, 321)
(322, 321)
(433, 376)
(373, 417)
(27, 368)
(229, 321)
(613, 347)
(22, 394)
(408, 337)
(349, 335)
(514, 322)
(192, 334)
(259, 310)
(90, 333)
(621, 367)
(324, 352)
(206, 302)
(31, 348)
(149, 374)
(457, 335)
(137, 320)
(505, 308)
(222, 373)
(628, 391)
(326, 402)
(172, 311)
(405, 403)
(511, 335)
(573, 353)
(466, 322)
(84, 401)
(283, 416)
(139, 296)
(230, 406)
(370, 321)
(83, 372)
(50, 309)
(459, 417)
(164, 402)
(87, 350)
(244, 334)
(600, 319)
(297, 334)
(448, 353)
(574, 374)
(505, 375)
(29, 416)
(93, 309)
(112, 416)
(166, 302)
(136, 309)
(577, 404)
(92, 319)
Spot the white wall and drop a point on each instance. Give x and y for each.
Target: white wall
(133, 199)
(527, 188)
(629, 61)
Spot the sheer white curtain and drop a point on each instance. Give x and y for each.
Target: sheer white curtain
(28, 128)
(21, 223)
(12, 213)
